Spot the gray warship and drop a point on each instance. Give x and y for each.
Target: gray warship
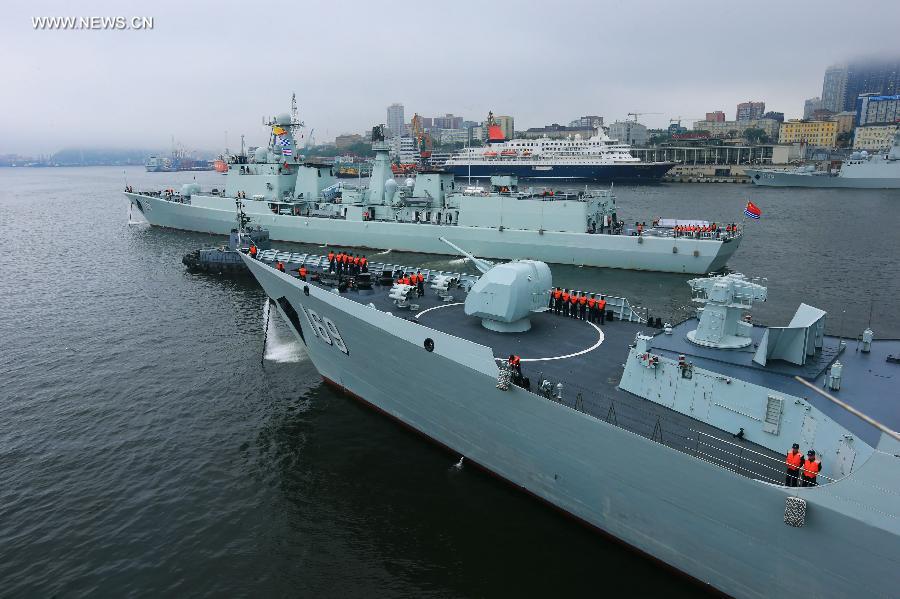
(304, 202)
(670, 437)
(863, 170)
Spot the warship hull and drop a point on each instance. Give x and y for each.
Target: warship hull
(663, 254)
(718, 527)
(626, 173)
(766, 178)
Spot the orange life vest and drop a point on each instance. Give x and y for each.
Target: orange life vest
(252, 250)
(591, 303)
(601, 304)
(793, 460)
(573, 299)
(565, 297)
(279, 266)
(582, 300)
(811, 469)
(557, 294)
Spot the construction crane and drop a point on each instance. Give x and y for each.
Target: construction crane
(678, 119)
(423, 140)
(309, 139)
(637, 114)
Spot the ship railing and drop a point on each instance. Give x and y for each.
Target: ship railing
(676, 431)
(777, 466)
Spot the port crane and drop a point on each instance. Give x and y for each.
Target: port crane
(423, 139)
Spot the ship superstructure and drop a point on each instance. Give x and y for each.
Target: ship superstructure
(679, 454)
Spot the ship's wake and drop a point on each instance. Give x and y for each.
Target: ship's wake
(387, 251)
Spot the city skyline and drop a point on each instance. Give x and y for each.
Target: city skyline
(128, 88)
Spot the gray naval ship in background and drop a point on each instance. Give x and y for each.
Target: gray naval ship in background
(861, 171)
(303, 202)
(671, 438)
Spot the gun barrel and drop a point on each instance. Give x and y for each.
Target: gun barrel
(482, 265)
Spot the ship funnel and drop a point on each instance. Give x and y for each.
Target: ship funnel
(724, 298)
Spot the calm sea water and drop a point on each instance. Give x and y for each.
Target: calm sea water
(146, 449)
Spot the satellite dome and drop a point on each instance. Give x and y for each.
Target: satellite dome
(260, 154)
(410, 182)
(854, 156)
(283, 119)
(864, 154)
(390, 188)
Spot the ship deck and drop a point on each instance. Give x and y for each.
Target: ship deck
(588, 360)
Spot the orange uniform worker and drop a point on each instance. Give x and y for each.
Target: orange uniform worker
(573, 305)
(601, 309)
(592, 308)
(557, 300)
(794, 460)
(811, 468)
(253, 251)
(302, 272)
(565, 302)
(331, 261)
(582, 306)
(279, 266)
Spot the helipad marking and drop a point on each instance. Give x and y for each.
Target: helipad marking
(584, 351)
(436, 307)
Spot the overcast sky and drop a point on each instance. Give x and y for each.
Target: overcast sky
(211, 67)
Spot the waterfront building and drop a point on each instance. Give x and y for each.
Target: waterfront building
(815, 133)
(721, 154)
(846, 121)
(874, 138)
(450, 136)
(395, 121)
(810, 106)
(775, 116)
(748, 111)
(716, 116)
(587, 122)
(405, 150)
(872, 109)
(735, 129)
(629, 132)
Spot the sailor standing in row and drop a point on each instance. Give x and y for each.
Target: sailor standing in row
(331, 261)
(811, 468)
(556, 300)
(565, 302)
(582, 306)
(573, 308)
(793, 460)
(420, 283)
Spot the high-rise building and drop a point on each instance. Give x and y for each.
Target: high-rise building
(629, 132)
(811, 106)
(395, 121)
(716, 116)
(834, 87)
(872, 109)
(749, 111)
(448, 121)
(507, 126)
(871, 77)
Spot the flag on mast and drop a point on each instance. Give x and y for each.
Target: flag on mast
(752, 210)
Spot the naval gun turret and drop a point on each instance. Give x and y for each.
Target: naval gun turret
(506, 294)
(724, 298)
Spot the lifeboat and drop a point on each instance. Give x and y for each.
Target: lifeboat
(220, 165)
(490, 154)
(508, 153)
